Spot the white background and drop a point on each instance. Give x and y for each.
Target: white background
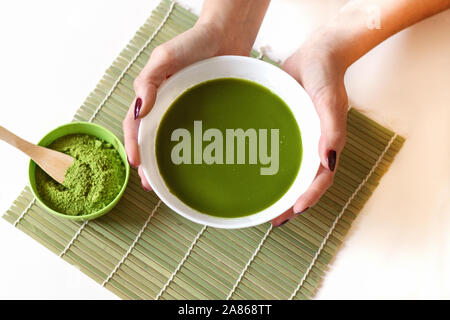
(54, 52)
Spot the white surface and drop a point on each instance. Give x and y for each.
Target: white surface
(53, 53)
(266, 74)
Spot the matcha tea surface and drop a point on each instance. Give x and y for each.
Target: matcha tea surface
(91, 183)
(228, 188)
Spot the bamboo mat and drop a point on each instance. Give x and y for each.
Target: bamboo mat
(143, 250)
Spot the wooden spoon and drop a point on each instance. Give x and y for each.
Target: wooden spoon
(53, 162)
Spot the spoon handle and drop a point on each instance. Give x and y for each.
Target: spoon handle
(23, 145)
(53, 162)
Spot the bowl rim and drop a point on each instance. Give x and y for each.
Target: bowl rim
(153, 125)
(93, 215)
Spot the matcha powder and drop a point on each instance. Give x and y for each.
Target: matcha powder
(91, 183)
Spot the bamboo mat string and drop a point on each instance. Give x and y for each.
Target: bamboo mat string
(333, 226)
(132, 245)
(132, 61)
(24, 212)
(250, 261)
(260, 56)
(75, 236)
(181, 262)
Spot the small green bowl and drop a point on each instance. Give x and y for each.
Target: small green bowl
(80, 128)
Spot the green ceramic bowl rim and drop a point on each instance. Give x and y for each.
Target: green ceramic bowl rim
(106, 209)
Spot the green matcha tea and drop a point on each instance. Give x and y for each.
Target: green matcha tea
(228, 147)
(91, 183)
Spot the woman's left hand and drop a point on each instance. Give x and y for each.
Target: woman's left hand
(321, 73)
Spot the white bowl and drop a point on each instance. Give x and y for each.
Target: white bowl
(270, 76)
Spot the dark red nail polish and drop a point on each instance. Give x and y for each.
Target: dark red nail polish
(145, 189)
(284, 222)
(331, 159)
(137, 108)
(302, 211)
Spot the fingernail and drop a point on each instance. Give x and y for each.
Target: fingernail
(331, 159)
(137, 108)
(145, 189)
(284, 222)
(302, 211)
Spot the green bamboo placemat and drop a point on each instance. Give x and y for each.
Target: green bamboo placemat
(143, 250)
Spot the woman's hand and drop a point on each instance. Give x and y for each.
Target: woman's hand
(320, 64)
(320, 72)
(224, 27)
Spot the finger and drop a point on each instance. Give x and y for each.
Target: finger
(130, 131)
(283, 218)
(323, 180)
(332, 111)
(145, 185)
